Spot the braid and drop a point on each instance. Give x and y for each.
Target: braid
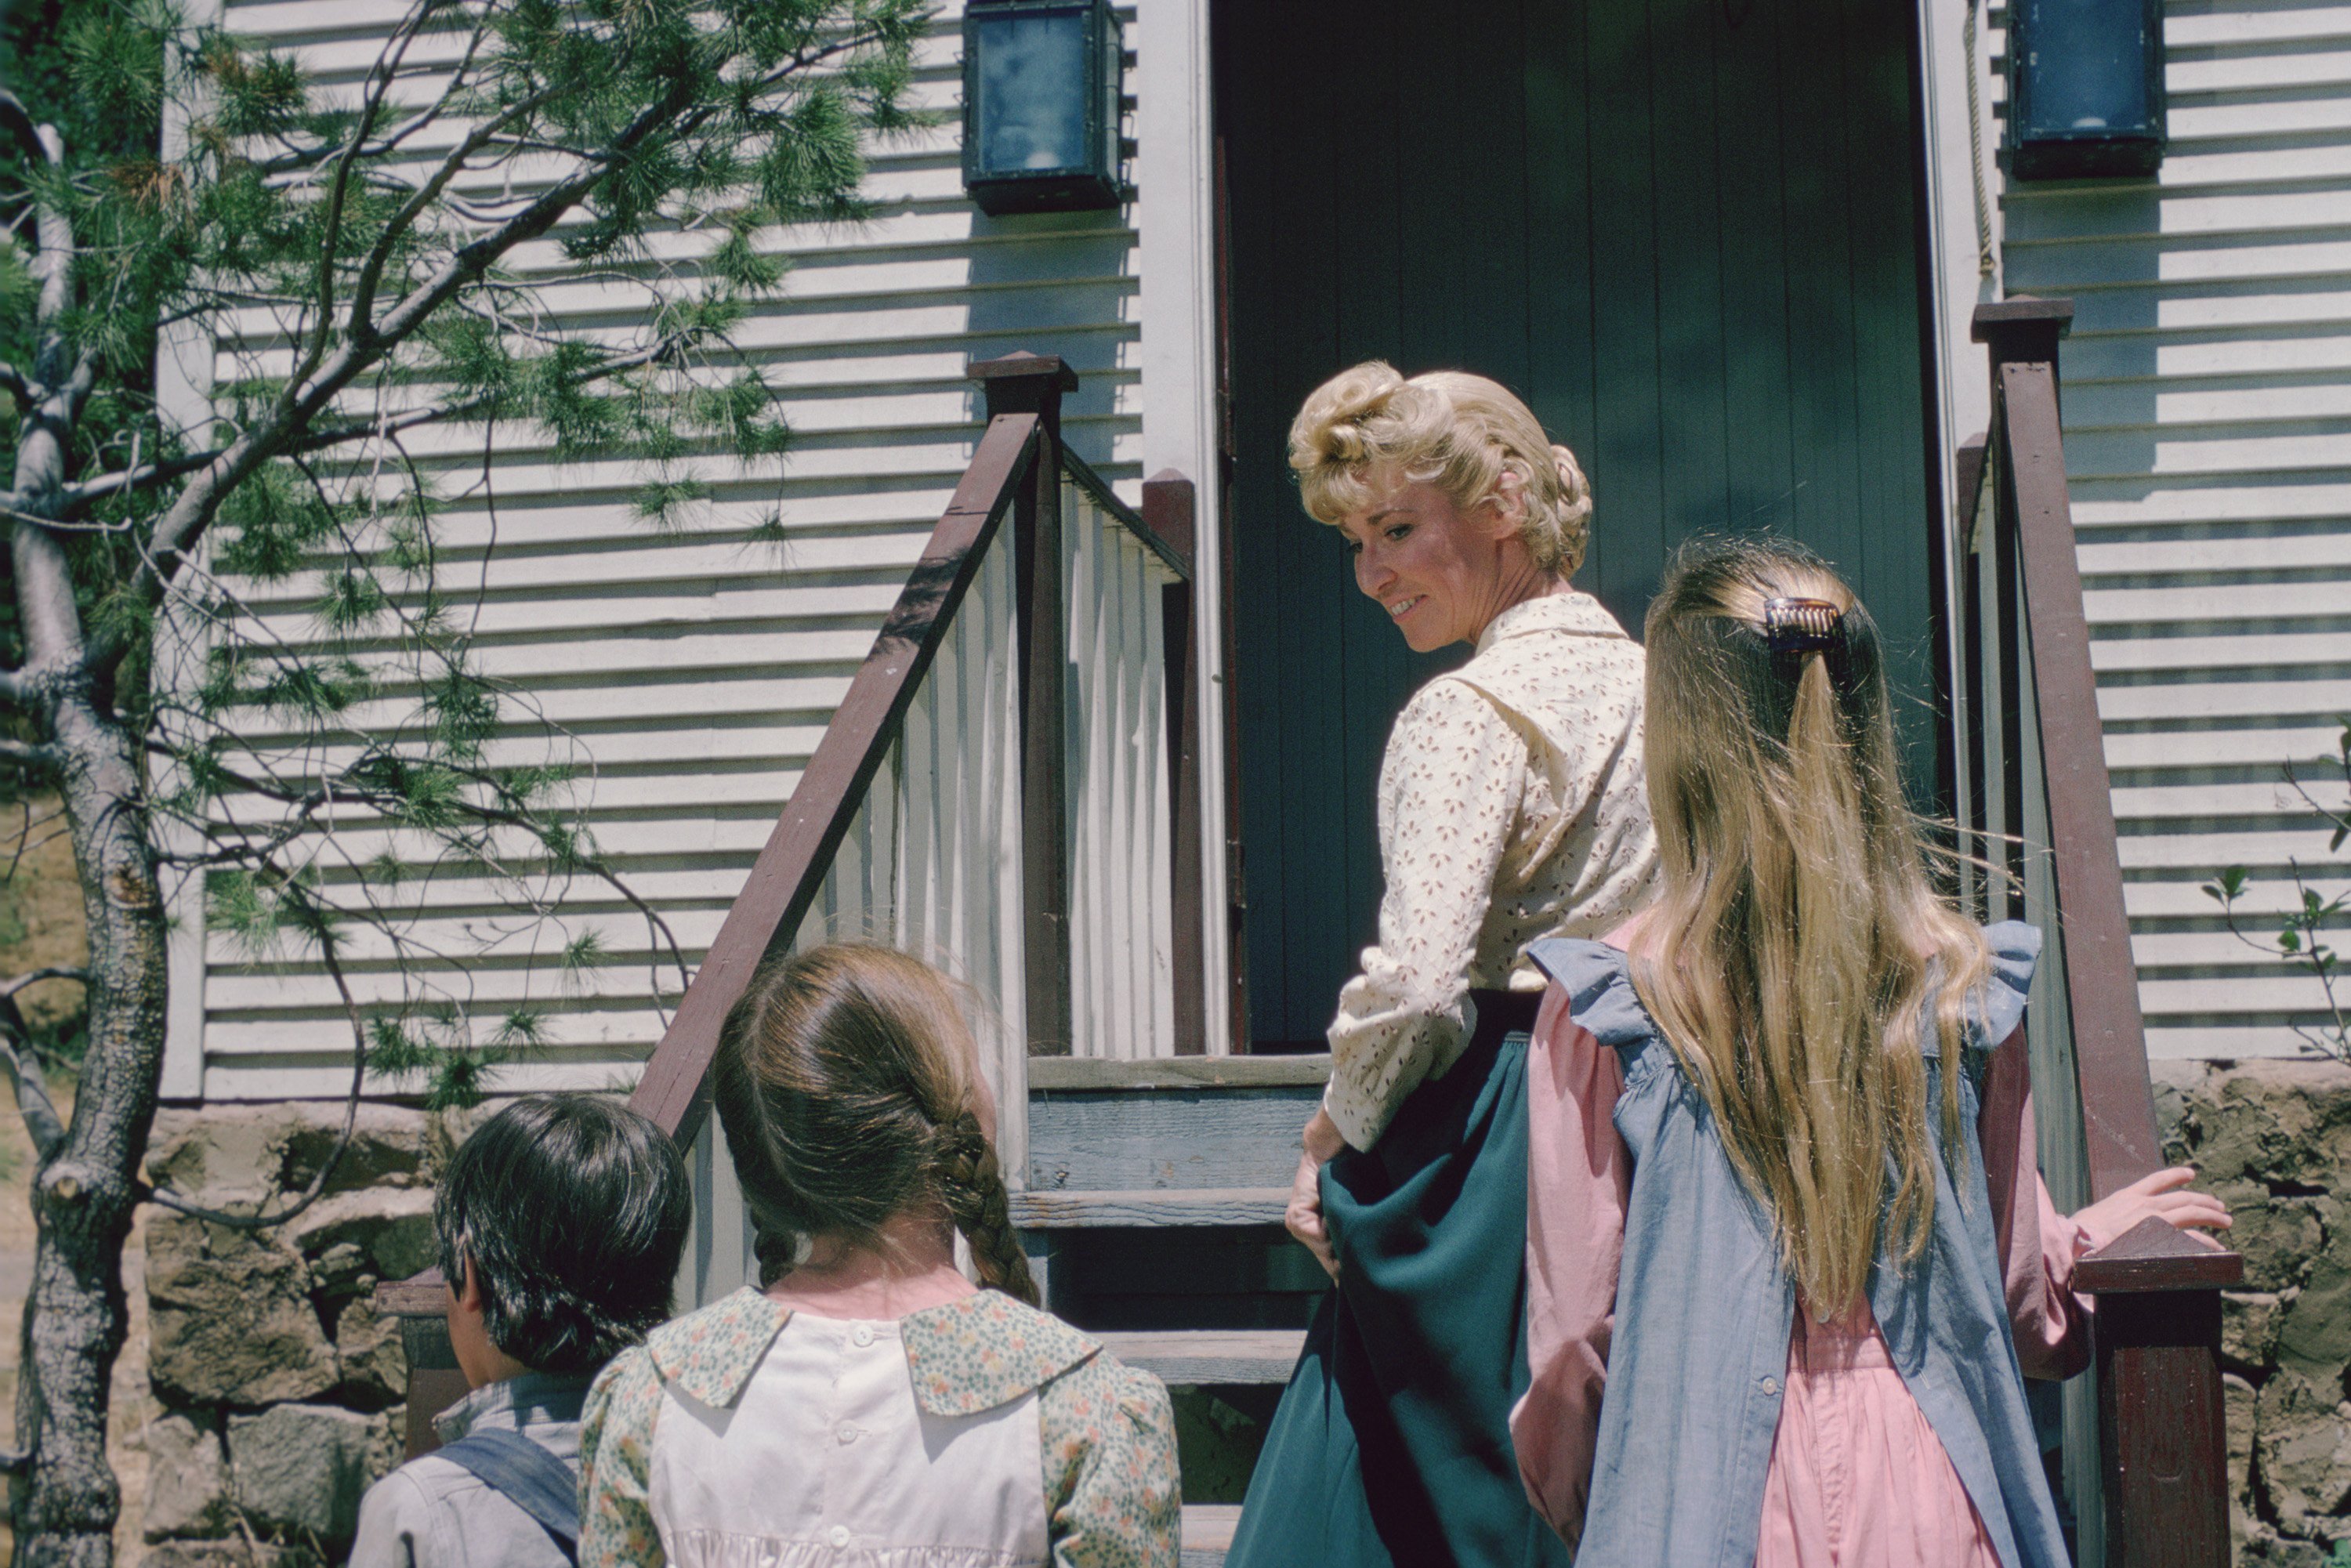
(973, 1184)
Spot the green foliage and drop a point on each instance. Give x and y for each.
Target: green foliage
(327, 736)
(2302, 940)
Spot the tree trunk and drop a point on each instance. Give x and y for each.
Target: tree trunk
(65, 1503)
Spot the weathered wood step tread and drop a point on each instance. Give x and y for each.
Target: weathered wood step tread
(1208, 1533)
(1091, 1075)
(1198, 1357)
(1063, 1210)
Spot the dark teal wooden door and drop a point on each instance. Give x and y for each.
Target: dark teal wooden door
(1684, 230)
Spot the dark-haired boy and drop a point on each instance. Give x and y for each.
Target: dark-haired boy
(561, 1221)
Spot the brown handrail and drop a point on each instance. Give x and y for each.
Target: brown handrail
(789, 873)
(1006, 475)
(1174, 552)
(2162, 1437)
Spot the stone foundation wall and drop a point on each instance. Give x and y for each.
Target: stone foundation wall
(2274, 1140)
(281, 1386)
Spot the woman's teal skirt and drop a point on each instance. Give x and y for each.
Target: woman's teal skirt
(1392, 1445)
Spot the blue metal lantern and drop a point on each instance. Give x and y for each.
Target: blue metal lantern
(1042, 101)
(2085, 89)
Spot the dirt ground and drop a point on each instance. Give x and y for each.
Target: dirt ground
(41, 925)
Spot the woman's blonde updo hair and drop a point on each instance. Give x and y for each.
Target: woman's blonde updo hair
(1458, 431)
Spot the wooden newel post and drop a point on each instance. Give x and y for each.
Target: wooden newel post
(1035, 383)
(2162, 1421)
(2162, 1435)
(1169, 511)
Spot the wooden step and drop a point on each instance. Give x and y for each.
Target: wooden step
(1171, 1122)
(1143, 1206)
(1202, 1357)
(1091, 1074)
(1208, 1533)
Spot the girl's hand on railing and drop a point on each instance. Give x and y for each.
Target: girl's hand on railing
(2161, 1194)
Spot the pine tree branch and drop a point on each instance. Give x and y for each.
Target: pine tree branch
(176, 532)
(39, 1112)
(182, 523)
(18, 123)
(52, 972)
(379, 79)
(379, 257)
(305, 805)
(436, 414)
(75, 497)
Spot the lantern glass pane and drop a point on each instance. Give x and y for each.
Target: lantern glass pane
(2090, 66)
(1033, 91)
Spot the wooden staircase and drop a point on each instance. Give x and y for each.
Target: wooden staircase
(1152, 1216)
(1150, 1191)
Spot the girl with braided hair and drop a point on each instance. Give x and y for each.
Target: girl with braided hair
(867, 1402)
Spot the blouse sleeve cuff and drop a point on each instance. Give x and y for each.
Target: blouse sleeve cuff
(1361, 1124)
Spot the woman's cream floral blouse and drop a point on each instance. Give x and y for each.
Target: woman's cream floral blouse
(980, 1434)
(1512, 808)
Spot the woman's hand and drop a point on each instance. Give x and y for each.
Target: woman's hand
(2161, 1196)
(1304, 1215)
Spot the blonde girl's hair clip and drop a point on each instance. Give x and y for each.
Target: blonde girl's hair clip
(1801, 625)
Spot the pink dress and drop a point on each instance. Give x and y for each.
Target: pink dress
(1857, 1476)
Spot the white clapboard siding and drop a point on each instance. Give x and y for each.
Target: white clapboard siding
(1121, 870)
(690, 675)
(2208, 436)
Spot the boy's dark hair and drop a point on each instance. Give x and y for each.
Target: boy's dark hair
(574, 1211)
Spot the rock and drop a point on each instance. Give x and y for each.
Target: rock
(226, 1156)
(300, 1469)
(368, 1345)
(230, 1320)
(2236, 1401)
(2274, 1139)
(389, 1148)
(187, 1480)
(2273, 1122)
(2277, 1236)
(342, 1269)
(390, 1227)
(230, 1154)
(228, 1555)
(2249, 1326)
(2315, 1335)
(2303, 1440)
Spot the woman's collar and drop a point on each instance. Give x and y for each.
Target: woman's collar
(1573, 612)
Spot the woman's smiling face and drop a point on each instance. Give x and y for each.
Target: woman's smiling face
(1441, 573)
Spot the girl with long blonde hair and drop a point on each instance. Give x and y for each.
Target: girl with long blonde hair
(1784, 1207)
(867, 1402)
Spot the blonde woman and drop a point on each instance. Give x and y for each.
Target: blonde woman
(1785, 1202)
(1510, 810)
